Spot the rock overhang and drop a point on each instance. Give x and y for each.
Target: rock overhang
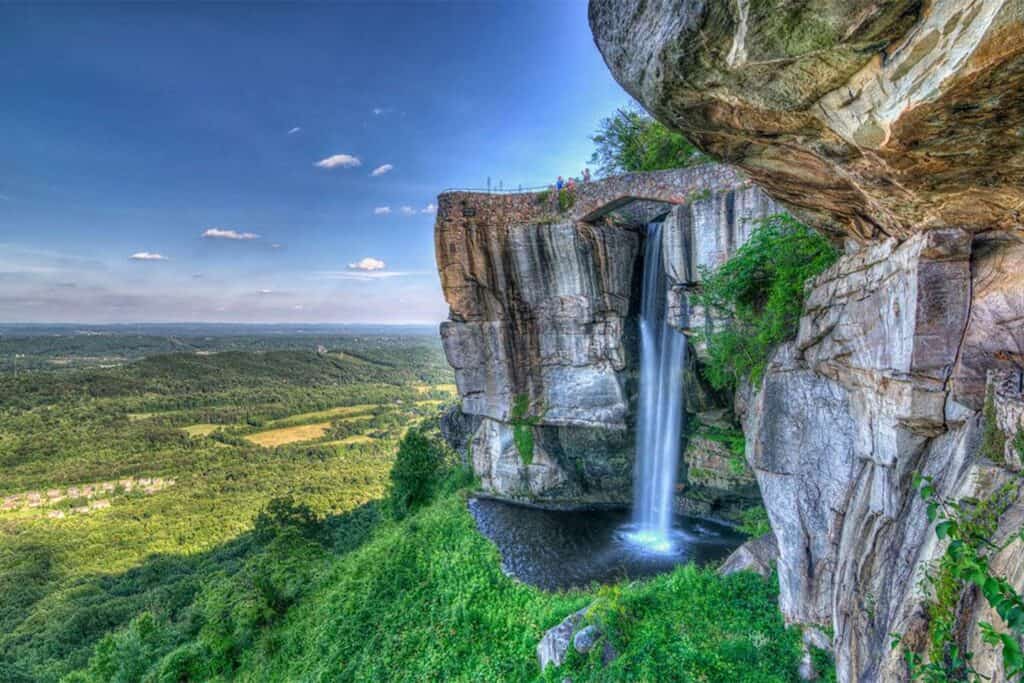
(868, 119)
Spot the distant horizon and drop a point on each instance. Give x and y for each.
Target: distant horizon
(58, 323)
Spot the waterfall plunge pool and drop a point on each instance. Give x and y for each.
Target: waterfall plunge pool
(560, 549)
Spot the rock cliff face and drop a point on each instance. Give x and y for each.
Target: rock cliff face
(899, 128)
(544, 299)
(872, 118)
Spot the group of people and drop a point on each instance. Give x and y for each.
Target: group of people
(570, 184)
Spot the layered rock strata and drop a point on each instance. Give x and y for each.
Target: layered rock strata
(544, 299)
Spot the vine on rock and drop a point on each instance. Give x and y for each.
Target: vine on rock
(967, 526)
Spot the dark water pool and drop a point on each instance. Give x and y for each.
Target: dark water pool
(557, 549)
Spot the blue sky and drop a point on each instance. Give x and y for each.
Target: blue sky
(132, 130)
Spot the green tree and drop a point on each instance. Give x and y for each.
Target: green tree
(757, 297)
(414, 473)
(630, 140)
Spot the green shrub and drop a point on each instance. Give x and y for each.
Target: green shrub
(566, 199)
(754, 522)
(284, 514)
(759, 294)
(967, 527)
(522, 427)
(414, 473)
(993, 441)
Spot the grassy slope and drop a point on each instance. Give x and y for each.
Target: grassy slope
(426, 600)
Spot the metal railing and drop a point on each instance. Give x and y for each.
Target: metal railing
(498, 190)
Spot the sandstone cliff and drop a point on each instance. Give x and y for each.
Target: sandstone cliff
(544, 298)
(897, 127)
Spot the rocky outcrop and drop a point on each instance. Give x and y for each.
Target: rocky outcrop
(554, 645)
(717, 481)
(896, 127)
(458, 428)
(544, 298)
(872, 391)
(758, 555)
(872, 119)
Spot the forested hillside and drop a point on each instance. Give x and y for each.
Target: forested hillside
(126, 490)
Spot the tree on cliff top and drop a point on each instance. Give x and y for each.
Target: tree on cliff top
(630, 140)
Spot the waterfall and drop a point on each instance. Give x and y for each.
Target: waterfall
(660, 413)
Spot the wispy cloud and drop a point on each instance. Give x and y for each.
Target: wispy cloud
(266, 291)
(408, 211)
(276, 245)
(368, 264)
(147, 256)
(429, 208)
(224, 234)
(379, 111)
(381, 170)
(365, 276)
(339, 161)
(382, 211)
(295, 130)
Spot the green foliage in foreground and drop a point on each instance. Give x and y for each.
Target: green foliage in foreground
(630, 140)
(425, 598)
(760, 292)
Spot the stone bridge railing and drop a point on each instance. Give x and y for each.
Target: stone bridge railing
(589, 201)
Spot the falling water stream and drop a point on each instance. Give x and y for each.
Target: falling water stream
(557, 549)
(660, 412)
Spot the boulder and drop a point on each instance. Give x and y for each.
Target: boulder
(554, 645)
(758, 555)
(586, 638)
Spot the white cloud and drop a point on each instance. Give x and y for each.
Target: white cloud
(368, 264)
(222, 234)
(382, 169)
(429, 208)
(266, 291)
(408, 211)
(377, 111)
(382, 211)
(295, 130)
(275, 245)
(148, 256)
(336, 160)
